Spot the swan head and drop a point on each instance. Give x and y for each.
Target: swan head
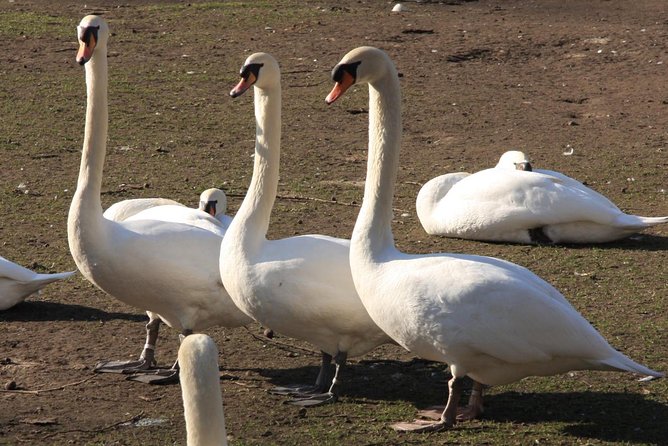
(213, 202)
(514, 160)
(92, 32)
(365, 64)
(260, 70)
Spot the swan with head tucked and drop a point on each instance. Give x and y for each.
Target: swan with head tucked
(492, 320)
(167, 210)
(201, 393)
(214, 202)
(17, 282)
(299, 286)
(514, 203)
(170, 269)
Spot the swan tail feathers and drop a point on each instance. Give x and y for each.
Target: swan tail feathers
(637, 222)
(623, 363)
(44, 279)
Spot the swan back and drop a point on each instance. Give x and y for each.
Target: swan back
(200, 388)
(127, 208)
(430, 196)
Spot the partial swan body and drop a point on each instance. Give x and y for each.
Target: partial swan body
(209, 215)
(492, 320)
(299, 286)
(17, 282)
(200, 389)
(514, 203)
(162, 209)
(122, 210)
(170, 269)
(214, 202)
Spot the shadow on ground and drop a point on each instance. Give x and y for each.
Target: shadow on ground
(52, 311)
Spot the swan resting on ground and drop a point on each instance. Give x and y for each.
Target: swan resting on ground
(170, 269)
(514, 203)
(201, 392)
(214, 202)
(17, 282)
(299, 286)
(488, 319)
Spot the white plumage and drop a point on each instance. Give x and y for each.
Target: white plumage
(17, 282)
(299, 286)
(167, 268)
(508, 204)
(492, 320)
(201, 393)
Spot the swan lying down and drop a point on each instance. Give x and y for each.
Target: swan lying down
(514, 203)
(17, 282)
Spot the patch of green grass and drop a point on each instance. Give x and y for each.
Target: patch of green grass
(212, 5)
(18, 23)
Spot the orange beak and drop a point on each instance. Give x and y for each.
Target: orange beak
(340, 88)
(86, 50)
(243, 85)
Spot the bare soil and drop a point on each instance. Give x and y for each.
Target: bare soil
(478, 78)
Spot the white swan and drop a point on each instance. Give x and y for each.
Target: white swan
(166, 210)
(299, 286)
(122, 210)
(492, 320)
(168, 268)
(214, 202)
(513, 203)
(201, 393)
(17, 282)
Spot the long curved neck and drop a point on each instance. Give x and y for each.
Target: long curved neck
(86, 204)
(202, 399)
(372, 234)
(252, 218)
(95, 136)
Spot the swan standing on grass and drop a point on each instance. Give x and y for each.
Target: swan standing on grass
(513, 203)
(492, 320)
(167, 268)
(166, 210)
(201, 393)
(299, 286)
(17, 282)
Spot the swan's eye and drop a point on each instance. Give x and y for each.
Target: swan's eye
(90, 35)
(525, 165)
(341, 69)
(253, 68)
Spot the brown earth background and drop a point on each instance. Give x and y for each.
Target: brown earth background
(478, 78)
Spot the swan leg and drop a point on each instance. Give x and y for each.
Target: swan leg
(448, 417)
(332, 395)
(475, 406)
(472, 411)
(539, 237)
(161, 376)
(305, 390)
(147, 358)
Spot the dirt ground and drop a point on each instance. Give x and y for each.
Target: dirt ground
(478, 78)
